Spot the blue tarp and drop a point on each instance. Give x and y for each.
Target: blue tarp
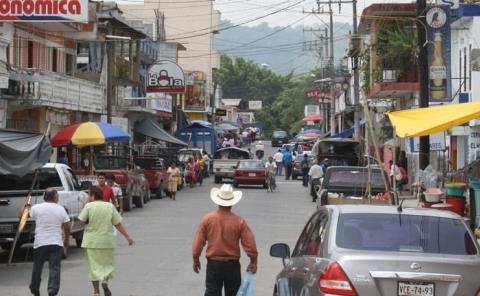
(198, 135)
(348, 133)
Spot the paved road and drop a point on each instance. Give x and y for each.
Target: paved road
(160, 262)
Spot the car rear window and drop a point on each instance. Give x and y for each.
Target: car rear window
(279, 134)
(47, 177)
(404, 233)
(354, 178)
(251, 165)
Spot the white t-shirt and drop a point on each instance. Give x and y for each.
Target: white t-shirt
(278, 157)
(117, 191)
(315, 172)
(49, 218)
(270, 167)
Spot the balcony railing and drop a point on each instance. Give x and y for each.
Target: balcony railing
(42, 88)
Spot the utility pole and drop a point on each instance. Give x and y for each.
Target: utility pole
(424, 75)
(110, 70)
(332, 73)
(356, 79)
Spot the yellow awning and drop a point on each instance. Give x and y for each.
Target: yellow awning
(431, 120)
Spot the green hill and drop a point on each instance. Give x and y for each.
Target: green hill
(279, 48)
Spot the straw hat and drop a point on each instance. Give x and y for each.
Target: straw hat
(225, 196)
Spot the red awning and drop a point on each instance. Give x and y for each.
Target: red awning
(314, 118)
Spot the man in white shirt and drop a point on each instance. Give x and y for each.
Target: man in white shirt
(315, 174)
(117, 192)
(50, 218)
(278, 157)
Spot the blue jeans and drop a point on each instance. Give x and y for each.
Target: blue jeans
(52, 254)
(279, 168)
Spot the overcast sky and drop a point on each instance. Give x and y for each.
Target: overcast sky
(244, 10)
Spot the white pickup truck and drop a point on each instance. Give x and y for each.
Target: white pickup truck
(225, 161)
(13, 190)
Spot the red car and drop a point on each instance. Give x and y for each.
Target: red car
(250, 172)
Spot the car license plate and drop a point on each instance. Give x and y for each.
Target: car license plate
(252, 174)
(416, 289)
(6, 228)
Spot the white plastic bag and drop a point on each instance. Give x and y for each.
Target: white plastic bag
(246, 289)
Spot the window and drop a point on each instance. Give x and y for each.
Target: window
(313, 235)
(30, 55)
(404, 233)
(252, 165)
(47, 177)
(54, 60)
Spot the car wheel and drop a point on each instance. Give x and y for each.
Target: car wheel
(218, 180)
(235, 184)
(139, 202)
(128, 203)
(147, 196)
(159, 193)
(265, 186)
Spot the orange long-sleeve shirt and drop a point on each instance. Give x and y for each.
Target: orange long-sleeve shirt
(223, 231)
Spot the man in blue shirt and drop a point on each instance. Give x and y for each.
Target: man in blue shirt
(287, 161)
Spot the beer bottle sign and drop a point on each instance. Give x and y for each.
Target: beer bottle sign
(439, 53)
(438, 70)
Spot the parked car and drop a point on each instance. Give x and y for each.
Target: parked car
(297, 164)
(225, 162)
(348, 185)
(13, 190)
(250, 172)
(156, 173)
(134, 184)
(365, 250)
(279, 138)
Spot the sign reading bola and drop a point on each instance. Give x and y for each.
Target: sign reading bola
(165, 77)
(44, 10)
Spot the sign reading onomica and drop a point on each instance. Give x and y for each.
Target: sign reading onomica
(165, 77)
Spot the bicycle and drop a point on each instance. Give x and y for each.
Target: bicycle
(271, 184)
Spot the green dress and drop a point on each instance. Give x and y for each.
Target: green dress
(99, 239)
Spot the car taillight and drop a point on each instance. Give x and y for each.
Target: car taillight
(334, 281)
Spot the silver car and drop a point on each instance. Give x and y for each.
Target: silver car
(369, 250)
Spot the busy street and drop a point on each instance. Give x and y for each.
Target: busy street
(160, 263)
(239, 148)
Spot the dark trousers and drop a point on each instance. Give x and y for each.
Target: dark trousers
(223, 274)
(52, 254)
(313, 192)
(305, 178)
(288, 170)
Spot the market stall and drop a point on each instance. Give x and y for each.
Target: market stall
(431, 120)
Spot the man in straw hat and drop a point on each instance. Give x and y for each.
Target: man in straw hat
(223, 230)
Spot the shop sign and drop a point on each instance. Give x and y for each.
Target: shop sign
(311, 110)
(160, 102)
(44, 10)
(439, 53)
(165, 77)
(220, 112)
(437, 143)
(255, 105)
(245, 117)
(314, 94)
(474, 144)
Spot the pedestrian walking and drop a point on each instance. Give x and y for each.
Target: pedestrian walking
(99, 218)
(278, 157)
(287, 161)
(305, 168)
(117, 192)
(200, 167)
(173, 175)
(315, 173)
(48, 245)
(222, 231)
(108, 194)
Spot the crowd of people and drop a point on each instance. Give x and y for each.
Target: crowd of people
(243, 139)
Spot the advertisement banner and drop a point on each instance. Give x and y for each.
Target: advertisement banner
(255, 105)
(439, 53)
(437, 143)
(165, 77)
(44, 11)
(160, 102)
(311, 110)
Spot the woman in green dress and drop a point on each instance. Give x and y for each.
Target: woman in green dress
(99, 240)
